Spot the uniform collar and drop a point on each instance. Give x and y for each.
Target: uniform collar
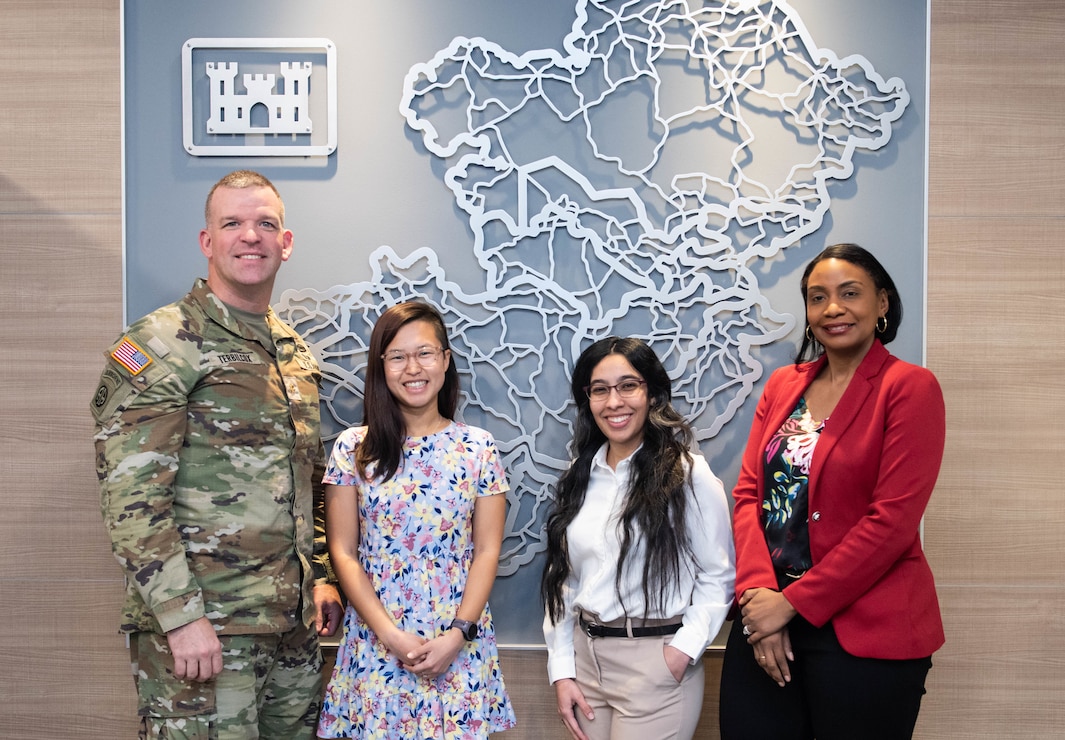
(221, 313)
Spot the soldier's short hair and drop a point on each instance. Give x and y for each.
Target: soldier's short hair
(239, 179)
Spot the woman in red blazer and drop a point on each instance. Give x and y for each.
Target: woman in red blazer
(838, 616)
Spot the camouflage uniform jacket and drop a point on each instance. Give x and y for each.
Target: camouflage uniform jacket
(209, 458)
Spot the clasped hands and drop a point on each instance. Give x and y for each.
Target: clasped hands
(765, 615)
(427, 658)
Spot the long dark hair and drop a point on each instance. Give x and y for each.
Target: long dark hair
(385, 428)
(655, 506)
(811, 349)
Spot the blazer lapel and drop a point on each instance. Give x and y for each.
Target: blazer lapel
(850, 405)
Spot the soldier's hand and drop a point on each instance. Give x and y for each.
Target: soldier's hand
(328, 609)
(196, 650)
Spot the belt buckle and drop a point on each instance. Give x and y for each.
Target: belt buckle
(587, 626)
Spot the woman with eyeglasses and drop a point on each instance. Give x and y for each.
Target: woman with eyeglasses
(640, 565)
(415, 511)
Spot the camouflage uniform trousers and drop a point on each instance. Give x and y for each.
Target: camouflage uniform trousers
(270, 688)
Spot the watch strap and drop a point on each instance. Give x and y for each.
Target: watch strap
(468, 629)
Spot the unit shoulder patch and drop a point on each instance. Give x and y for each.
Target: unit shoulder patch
(113, 389)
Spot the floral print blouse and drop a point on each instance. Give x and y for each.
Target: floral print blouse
(785, 507)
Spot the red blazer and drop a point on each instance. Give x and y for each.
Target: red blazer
(872, 473)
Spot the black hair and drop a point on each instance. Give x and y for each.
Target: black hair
(858, 256)
(385, 427)
(655, 506)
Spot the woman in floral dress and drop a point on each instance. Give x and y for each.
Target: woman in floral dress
(415, 516)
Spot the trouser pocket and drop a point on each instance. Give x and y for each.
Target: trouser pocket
(169, 707)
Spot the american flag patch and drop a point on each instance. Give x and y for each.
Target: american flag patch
(131, 357)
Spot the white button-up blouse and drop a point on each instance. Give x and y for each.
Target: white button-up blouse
(707, 581)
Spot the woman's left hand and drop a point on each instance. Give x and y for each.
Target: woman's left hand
(773, 653)
(433, 657)
(765, 612)
(676, 661)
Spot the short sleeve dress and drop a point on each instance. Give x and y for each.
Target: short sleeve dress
(416, 545)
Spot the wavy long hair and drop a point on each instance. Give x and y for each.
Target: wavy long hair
(382, 448)
(861, 257)
(654, 510)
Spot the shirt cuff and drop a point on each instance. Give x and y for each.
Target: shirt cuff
(562, 666)
(688, 641)
(179, 611)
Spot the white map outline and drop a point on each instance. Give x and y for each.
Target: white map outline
(587, 180)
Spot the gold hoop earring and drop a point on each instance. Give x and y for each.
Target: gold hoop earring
(881, 329)
(809, 334)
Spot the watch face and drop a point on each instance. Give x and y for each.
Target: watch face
(468, 629)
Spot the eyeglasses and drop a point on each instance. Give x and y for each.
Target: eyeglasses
(397, 361)
(625, 389)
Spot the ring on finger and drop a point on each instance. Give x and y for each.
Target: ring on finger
(746, 631)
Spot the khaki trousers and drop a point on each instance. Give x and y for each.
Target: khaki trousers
(631, 691)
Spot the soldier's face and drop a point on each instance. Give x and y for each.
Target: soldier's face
(245, 244)
(414, 386)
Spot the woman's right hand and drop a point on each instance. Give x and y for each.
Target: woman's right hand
(570, 699)
(401, 643)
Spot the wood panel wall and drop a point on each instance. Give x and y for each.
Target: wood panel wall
(996, 339)
(63, 668)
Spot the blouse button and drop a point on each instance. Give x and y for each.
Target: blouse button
(817, 516)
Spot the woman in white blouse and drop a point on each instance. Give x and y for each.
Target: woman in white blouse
(640, 561)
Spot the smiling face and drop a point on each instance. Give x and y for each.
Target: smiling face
(245, 243)
(621, 420)
(414, 387)
(842, 307)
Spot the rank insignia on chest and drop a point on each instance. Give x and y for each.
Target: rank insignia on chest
(292, 387)
(130, 356)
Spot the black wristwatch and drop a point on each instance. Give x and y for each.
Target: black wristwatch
(468, 629)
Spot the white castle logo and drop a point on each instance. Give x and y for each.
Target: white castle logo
(287, 112)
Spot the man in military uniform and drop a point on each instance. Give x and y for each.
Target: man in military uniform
(209, 459)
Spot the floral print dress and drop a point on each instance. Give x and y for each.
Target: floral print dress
(416, 545)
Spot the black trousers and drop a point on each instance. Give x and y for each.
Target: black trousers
(832, 694)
